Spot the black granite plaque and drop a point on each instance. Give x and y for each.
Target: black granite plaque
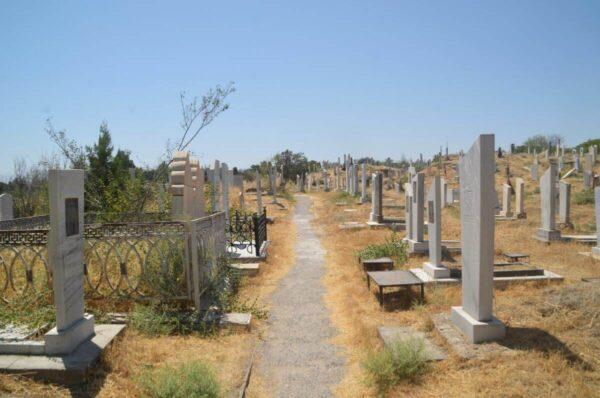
(72, 216)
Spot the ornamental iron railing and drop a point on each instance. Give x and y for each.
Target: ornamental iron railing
(125, 260)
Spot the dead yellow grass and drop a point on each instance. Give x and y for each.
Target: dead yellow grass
(557, 352)
(228, 353)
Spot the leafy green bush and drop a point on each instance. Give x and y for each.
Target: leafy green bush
(190, 379)
(403, 360)
(585, 197)
(393, 247)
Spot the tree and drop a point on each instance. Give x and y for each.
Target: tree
(293, 164)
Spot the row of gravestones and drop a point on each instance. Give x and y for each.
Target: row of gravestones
(589, 177)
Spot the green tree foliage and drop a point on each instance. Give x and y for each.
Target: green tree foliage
(586, 144)
(293, 164)
(109, 186)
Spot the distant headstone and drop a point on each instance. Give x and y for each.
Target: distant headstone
(216, 185)
(564, 203)
(434, 229)
(225, 189)
(588, 177)
(506, 200)
(520, 198)
(6, 207)
(534, 172)
(377, 199)
(415, 241)
(548, 231)
(475, 318)
(363, 185)
(65, 255)
(596, 249)
(259, 205)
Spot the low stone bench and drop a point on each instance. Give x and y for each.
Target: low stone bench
(377, 264)
(246, 269)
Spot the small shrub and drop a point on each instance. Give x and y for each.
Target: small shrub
(393, 247)
(33, 311)
(164, 319)
(190, 379)
(585, 197)
(402, 361)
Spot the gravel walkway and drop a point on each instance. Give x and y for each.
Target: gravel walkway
(296, 358)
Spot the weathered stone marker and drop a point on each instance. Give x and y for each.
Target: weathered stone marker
(259, 206)
(65, 255)
(434, 229)
(6, 207)
(214, 197)
(415, 241)
(377, 199)
(520, 198)
(534, 171)
(588, 176)
(548, 231)
(475, 318)
(564, 203)
(198, 209)
(363, 183)
(225, 190)
(506, 199)
(596, 249)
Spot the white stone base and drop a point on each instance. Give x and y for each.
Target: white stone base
(417, 247)
(596, 252)
(547, 235)
(436, 271)
(477, 331)
(64, 342)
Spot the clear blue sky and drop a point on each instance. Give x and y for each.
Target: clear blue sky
(371, 78)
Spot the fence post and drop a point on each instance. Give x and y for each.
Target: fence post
(256, 228)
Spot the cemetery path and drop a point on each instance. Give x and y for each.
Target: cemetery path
(297, 358)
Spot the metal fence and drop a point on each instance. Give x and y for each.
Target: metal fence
(247, 230)
(129, 260)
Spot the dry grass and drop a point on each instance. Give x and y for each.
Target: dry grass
(557, 346)
(228, 353)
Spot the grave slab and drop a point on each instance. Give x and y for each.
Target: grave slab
(392, 334)
(236, 321)
(65, 369)
(246, 269)
(461, 346)
(352, 225)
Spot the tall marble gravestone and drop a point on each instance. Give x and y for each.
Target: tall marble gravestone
(6, 207)
(225, 189)
(534, 172)
(259, 205)
(520, 198)
(475, 318)
(548, 231)
(407, 209)
(415, 241)
(506, 200)
(198, 206)
(376, 215)
(215, 182)
(596, 249)
(587, 179)
(363, 183)
(444, 193)
(564, 203)
(434, 229)
(65, 255)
